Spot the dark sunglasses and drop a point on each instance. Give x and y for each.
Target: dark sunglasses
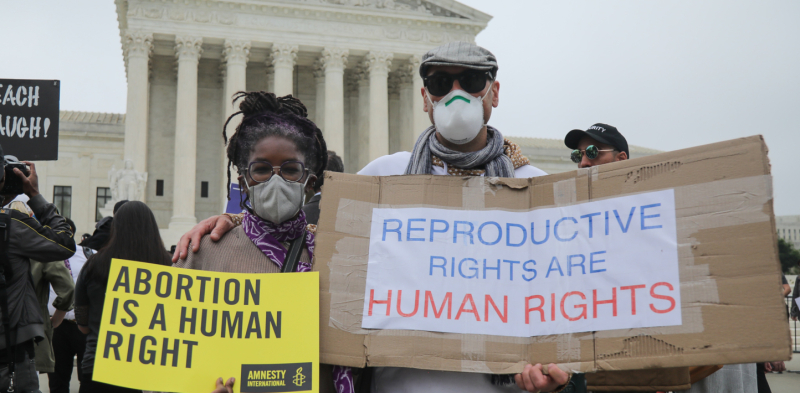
(591, 153)
(261, 172)
(440, 83)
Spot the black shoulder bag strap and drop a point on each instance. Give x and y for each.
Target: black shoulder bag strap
(5, 272)
(293, 255)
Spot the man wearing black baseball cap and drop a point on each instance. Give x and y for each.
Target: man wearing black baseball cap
(600, 144)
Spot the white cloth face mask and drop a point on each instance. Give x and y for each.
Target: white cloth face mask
(277, 200)
(458, 116)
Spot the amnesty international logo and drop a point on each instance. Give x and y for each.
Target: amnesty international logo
(287, 377)
(299, 378)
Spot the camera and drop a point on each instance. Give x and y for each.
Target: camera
(13, 185)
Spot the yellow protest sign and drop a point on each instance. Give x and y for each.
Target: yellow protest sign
(177, 330)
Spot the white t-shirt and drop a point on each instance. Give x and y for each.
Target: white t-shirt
(395, 164)
(411, 380)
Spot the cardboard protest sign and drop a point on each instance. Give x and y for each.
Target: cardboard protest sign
(663, 261)
(177, 330)
(29, 118)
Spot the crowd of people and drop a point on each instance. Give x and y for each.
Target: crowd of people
(279, 156)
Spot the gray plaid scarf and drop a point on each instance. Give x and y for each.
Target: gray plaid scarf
(491, 157)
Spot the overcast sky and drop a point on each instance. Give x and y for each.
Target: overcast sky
(668, 74)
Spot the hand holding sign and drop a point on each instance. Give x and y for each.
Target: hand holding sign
(226, 387)
(533, 379)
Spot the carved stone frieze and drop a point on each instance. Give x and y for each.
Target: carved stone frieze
(188, 48)
(284, 55)
(288, 17)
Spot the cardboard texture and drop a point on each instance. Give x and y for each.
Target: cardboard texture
(732, 311)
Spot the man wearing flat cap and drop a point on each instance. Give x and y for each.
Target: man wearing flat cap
(460, 90)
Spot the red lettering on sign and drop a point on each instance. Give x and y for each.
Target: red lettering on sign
(503, 316)
(582, 315)
(662, 297)
(400, 298)
(472, 310)
(633, 289)
(538, 308)
(448, 299)
(612, 302)
(387, 302)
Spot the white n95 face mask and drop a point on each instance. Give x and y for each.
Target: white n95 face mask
(277, 200)
(458, 116)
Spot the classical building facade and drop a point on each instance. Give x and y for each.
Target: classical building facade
(352, 62)
(788, 228)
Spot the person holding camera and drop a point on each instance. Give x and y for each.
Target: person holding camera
(23, 238)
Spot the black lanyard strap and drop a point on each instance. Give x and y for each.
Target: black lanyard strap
(293, 256)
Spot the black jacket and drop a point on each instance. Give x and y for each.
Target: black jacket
(48, 239)
(312, 209)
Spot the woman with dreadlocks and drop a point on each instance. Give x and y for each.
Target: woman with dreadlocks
(279, 154)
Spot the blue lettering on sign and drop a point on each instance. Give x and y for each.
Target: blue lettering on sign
(591, 227)
(485, 268)
(592, 261)
(641, 209)
(434, 230)
(555, 229)
(508, 235)
(409, 229)
(442, 266)
(499, 233)
(473, 268)
(558, 267)
(531, 270)
(465, 233)
(546, 233)
(397, 230)
(570, 264)
(510, 268)
(628, 225)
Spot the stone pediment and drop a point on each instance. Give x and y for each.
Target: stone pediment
(448, 9)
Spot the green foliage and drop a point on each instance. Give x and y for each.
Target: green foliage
(789, 256)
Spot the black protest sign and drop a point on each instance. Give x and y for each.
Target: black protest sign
(29, 118)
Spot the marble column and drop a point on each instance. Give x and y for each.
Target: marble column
(284, 57)
(319, 101)
(333, 61)
(394, 112)
(187, 51)
(235, 54)
(363, 118)
(137, 49)
(351, 140)
(421, 120)
(406, 126)
(270, 77)
(378, 64)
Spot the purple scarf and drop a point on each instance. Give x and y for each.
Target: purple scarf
(268, 237)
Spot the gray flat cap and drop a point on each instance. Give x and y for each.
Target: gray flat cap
(464, 54)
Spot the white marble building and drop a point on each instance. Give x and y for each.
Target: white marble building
(788, 228)
(352, 62)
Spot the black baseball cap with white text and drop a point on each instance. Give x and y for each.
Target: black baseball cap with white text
(600, 132)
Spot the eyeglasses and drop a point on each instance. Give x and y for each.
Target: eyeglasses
(440, 83)
(591, 153)
(261, 172)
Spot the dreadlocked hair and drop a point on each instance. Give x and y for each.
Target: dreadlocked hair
(266, 115)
